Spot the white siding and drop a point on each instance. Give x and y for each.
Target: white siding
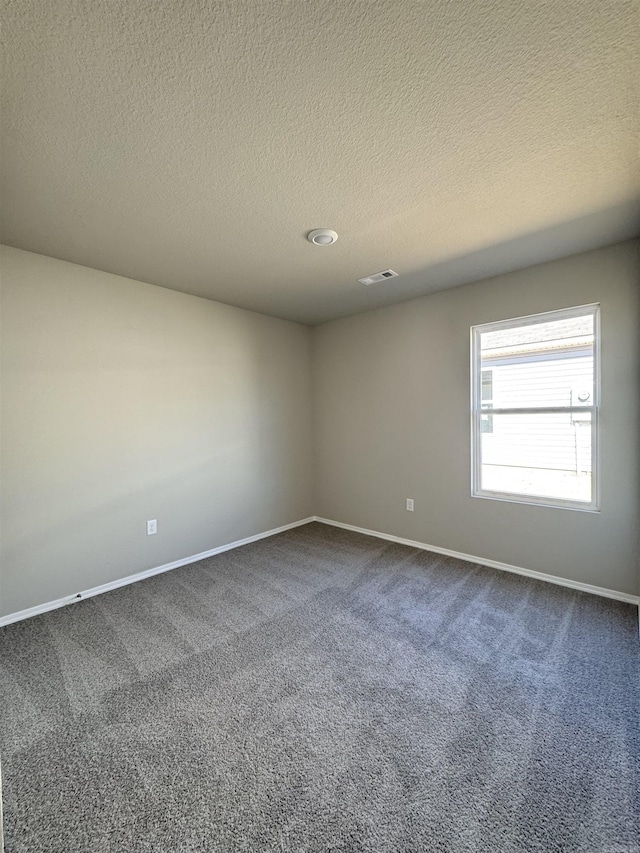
(560, 441)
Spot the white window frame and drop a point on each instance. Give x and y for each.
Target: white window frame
(476, 410)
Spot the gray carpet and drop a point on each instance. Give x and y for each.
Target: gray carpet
(324, 691)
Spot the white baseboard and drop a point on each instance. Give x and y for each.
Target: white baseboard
(494, 564)
(470, 558)
(139, 576)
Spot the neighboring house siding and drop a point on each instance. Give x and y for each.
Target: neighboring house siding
(560, 441)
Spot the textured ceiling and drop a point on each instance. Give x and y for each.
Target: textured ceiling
(193, 143)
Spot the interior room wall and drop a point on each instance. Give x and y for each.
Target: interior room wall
(391, 420)
(123, 402)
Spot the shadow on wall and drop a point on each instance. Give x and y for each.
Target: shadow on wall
(165, 408)
(600, 228)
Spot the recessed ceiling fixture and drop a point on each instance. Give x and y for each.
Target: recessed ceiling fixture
(377, 276)
(322, 237)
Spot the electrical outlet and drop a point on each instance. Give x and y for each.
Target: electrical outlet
(410, 504)
(152, 527)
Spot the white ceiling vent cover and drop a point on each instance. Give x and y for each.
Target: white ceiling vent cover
(378, 276)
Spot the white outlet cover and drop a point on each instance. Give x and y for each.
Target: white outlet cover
(152, 527)
(410, 504)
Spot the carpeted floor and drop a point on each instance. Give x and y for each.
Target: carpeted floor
(324, 691)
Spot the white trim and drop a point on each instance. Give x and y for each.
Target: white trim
(470, 558)
(593, 505)
(147, 573)
(493, 564)
(542, 317)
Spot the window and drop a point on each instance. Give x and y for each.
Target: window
(538, 376)
(486, 387)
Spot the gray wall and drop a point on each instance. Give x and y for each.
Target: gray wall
(121, 402)
(391, 420)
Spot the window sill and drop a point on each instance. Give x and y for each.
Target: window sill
(530, 500)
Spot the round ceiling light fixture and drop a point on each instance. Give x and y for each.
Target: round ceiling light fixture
(322, 237)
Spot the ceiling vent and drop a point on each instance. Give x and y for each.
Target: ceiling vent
(378, 276)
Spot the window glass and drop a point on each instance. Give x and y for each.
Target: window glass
(534, 408)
